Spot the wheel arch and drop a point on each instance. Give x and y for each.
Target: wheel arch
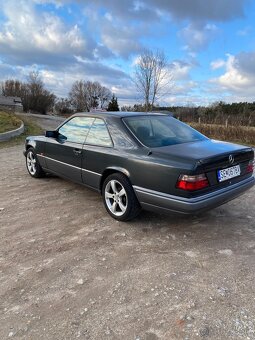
(111, 170)
(31, 144)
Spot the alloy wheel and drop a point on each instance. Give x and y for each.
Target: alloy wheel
(116, 197)
(31, 163)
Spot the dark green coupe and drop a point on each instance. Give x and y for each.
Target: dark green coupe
(137, 160)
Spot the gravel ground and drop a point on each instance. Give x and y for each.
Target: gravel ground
(67, 270)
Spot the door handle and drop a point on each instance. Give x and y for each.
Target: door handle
(77, 151)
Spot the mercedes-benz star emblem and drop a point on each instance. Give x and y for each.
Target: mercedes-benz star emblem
(231, 159)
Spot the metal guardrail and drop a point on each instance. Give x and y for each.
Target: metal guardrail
(13, 133)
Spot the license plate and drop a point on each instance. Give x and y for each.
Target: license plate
(228, 173)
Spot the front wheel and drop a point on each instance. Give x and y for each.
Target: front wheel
(33, 167)
(119, 198)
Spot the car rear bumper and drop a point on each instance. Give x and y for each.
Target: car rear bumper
(160, 202)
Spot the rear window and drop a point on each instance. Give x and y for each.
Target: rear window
(156, 131)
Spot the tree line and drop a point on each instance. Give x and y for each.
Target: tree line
(83, 96)
(242, 113)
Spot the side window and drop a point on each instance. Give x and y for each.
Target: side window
(98, 134)
(76, 129)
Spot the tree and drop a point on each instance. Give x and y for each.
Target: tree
(33, 94)
(63, 105)
(104, 95)
(113, 104)
(77, 95)
(85, 95)
(38, 99)
(151, 77)
(12, 88)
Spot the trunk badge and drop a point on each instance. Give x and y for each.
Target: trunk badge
(231, 159)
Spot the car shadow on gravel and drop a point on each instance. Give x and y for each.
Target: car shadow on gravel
(214, 224)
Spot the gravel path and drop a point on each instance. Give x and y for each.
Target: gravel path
(67, 270)
(46, 122)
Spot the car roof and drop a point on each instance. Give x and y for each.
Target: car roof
(119, 114)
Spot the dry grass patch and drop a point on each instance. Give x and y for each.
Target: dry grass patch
(8, 122)
(237, 134)
(31, 129)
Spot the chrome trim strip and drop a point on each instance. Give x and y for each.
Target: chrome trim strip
(194, 199)
(54, 160)
(92, 172)
(73, 166)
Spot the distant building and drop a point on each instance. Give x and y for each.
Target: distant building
(11, 103)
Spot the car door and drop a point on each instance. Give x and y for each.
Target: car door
(63, 154)
(96, 152)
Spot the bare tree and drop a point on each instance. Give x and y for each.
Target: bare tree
(85, 95)
(78, 95)
(12, 88)
(37, 98)
(63, 106)
(33, 94)
(152, 77)
(104, 95)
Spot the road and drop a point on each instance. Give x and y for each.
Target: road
(69, 271)
(46, 122)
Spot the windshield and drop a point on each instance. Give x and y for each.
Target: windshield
(156, 131)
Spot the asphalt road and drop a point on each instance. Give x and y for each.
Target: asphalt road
(67, 270)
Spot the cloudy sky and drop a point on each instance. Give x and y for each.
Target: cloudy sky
(210, 45)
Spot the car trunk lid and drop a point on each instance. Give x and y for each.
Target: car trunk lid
(209, 157)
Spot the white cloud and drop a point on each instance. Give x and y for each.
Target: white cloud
(238, 78)
(42, 37)
(197, 36)
(122, 41)
(216, 64)
(233, 78)
(180, 70)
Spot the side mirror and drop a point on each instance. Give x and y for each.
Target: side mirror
(51, 134)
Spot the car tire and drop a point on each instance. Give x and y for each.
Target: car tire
(119, 198)
(33, 166)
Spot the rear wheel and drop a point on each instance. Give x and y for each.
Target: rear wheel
(33, 167)
(119, 198)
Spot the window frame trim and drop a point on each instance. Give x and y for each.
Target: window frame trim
(84, 143)
(71, 118)
(104, 146)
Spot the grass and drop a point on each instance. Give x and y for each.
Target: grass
(31, 129)
(236, 134)
(8, 122)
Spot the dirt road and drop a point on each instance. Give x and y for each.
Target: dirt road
(67, 270)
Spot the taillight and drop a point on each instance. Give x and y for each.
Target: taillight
(250, 166)
(191, 183)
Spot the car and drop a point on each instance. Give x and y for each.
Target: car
(142, 160)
